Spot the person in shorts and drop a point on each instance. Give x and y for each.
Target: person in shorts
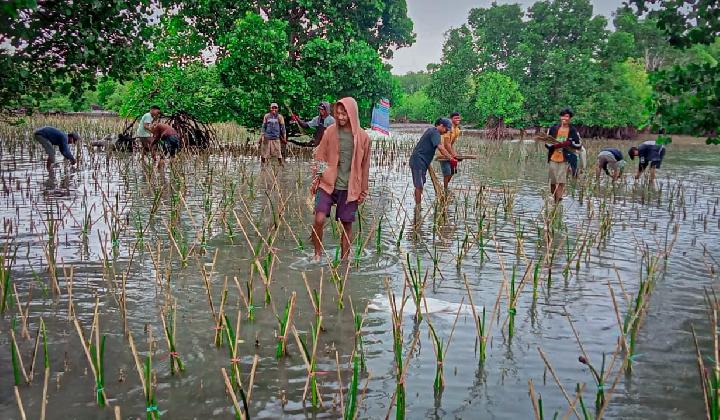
(562, 153)
(448, 140)
(424, 152)
(166, 140)
(50, 137)
(651, 155)
(143, 132)
(341, 174)
(610, 159)
(272, 135)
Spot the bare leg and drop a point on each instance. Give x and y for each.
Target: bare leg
(558, 193)
(446, 181)
(48, 164)
(346, 237)
(317, 233)
(418, 195)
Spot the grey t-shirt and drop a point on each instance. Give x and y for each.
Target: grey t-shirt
(345, 161)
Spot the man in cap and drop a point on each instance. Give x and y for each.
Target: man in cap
(143, 130)
(272, 135)
(319, 123)
(424, 152)
(49, 137)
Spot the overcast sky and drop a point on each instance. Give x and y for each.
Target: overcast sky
(433, 18)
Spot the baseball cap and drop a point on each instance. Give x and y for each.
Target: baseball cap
(274, 105)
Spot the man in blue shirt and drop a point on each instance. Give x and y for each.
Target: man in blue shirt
(424, 153)
(651, 154)
(50, 137)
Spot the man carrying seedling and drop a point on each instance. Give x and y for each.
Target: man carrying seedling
(323, 120)
(651, 154)
(165, 139)
(143, 130)
(562, 152)
(49, 137)
(610, 158)
(424, 152)
(341, 173)
(448, 141)
(272, 135)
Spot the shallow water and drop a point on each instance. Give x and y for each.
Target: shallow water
(119, 192)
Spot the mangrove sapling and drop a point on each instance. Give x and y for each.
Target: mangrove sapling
(512, 302)
(479, 323)
(284, 323)
(17, 362)
(176, 362)
(95, 353)
(221, 313)
(358, 321)
(231, 336)
(599, 378)
(46, 364)
(441, 348)
(557, 381)
(417, 286)
(350, 408)
(239, 414)
(310, 358)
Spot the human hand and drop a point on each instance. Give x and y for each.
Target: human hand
(453, 163)
(314, 185)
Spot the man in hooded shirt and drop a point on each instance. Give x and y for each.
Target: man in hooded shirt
(342, 176)
(322, 121)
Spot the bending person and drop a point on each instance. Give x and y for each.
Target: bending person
(424, 152)
(49, 137)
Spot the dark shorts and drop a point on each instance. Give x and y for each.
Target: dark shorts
(169, 145)
(419, 176)
(345, 212)
(447, 170)
(653, 164)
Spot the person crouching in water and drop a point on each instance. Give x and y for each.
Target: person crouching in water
(166, 140)
(562, 153)
(610, 159)
(424, 152)
(323, 120)
(342, 178)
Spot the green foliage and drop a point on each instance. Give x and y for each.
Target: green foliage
(498, 99)
(687, 96)
(195, 88)
(624, 101)
(412, 82)
(369, 82)
(255, 68)
(451, 84)
(415, 107)
(89, 37)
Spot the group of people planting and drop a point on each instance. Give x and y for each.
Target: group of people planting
(341, 164)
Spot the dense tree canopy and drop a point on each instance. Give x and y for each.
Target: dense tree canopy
(227, 59)
(559, 54)
(687, 94)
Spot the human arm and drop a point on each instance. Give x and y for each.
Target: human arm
(447, 143)
(65, 151)
(283, 132)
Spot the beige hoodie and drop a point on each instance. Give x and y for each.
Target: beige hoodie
(329, 151)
